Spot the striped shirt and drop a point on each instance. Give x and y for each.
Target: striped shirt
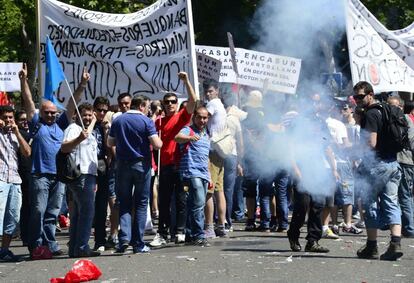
(194, 162)
(9, 165)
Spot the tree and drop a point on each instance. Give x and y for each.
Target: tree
(394, 14)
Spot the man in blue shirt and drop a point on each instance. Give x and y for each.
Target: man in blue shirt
(46, 192)
(132, 133)
(195, 146)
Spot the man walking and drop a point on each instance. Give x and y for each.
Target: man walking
(382, 174)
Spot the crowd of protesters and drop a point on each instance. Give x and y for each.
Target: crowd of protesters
(153, 160)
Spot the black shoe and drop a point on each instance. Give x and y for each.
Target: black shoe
(7, 256)
(368, 253)
(201, 243)
(281, 230)
(58, 253)
(294, 243)
(393, 252)
(111, 243)
(88, 253)
(250, 226)
(122, 248)
(314, 247)
(263, 229)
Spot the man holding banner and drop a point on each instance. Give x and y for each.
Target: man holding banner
(46, 193)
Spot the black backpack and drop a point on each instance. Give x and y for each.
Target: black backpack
(66, 169)
(395, 127)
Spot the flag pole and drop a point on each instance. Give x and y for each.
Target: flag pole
(74, 102)
(39, 62)
(159, 156)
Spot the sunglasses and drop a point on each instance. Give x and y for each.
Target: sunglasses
(170, 101)
(102, 110)
(359, 96)
(50, 112)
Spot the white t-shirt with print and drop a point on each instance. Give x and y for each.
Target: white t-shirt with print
(85, 154)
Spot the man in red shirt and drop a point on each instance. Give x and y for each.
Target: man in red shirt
(169, 181)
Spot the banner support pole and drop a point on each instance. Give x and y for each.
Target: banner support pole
(39, 62)
(193, 59)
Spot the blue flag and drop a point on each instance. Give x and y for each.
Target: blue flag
(54, 73)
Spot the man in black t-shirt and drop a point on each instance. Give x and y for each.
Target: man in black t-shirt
(381, 175)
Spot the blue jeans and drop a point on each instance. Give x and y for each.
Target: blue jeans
(81, 218)
(344, 194)
(238, 199)
(229, 181)
(64, 209)
(133, 189)
(195, 207)
(381, 194)
(10, 204)
(281, 191)
(45, 200)
(265, 194)
(405, 197)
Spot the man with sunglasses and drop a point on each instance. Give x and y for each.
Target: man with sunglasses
(46, 192)
(100, 132)
(169, 179)
(381, 175)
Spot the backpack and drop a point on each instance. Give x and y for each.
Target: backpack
(395, 127)
(66, 169)
(223, 143)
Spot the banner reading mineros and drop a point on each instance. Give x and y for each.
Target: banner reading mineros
(138, 53)
(254, 67)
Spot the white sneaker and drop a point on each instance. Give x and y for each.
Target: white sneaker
(100, 249)
(360, 224)
(356, 216)
(158, 241)
(179, 238)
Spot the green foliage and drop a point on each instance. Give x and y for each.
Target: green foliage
(394, 14)
(113, 6)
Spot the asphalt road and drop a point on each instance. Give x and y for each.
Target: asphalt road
(243, 257)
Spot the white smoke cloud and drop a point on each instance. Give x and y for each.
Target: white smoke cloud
(307, 30)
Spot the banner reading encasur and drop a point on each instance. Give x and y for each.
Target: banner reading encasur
(374, 59)
(138, 53)
(9, 76)
(255, 67)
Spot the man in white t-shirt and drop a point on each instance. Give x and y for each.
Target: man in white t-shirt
(216, 124)
(83, 148)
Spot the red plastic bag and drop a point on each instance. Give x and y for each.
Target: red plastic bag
(82, 270)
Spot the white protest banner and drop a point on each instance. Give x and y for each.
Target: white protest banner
(9, 76)
(371, 58)
(208, 67)
(138, 53)
(401, 41)
(254, 67)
